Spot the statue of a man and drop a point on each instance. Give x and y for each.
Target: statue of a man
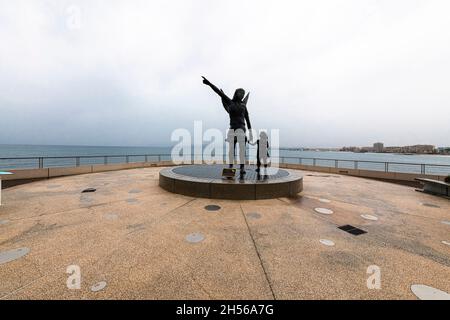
(237, 110)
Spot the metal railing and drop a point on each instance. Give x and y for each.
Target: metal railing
(76, 161)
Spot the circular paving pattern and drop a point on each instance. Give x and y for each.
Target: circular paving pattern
(369, 217)
(323, 210)
(11, 255)
(206, 181)
(195, 237)
(98, 286)
(327, 242)
(424, 292)
(212, 207)
(254, 215)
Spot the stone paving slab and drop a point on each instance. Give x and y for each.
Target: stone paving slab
(129, 240)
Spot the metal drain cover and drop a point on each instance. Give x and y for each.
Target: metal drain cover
(429, 205)
(327, 242)
(89, 190)
(254, 215)
(424, 292)
(11, 255)
(195, 237)
(98, 286)
(369, 217)
(212, 207)
(323, 210)
(352, 230)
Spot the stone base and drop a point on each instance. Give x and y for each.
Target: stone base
(205, 181)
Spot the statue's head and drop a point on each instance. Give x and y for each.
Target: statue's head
(263, 136)
(239, 94)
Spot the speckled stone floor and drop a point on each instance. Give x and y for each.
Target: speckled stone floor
(133, 240)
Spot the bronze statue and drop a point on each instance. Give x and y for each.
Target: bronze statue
(237, 110)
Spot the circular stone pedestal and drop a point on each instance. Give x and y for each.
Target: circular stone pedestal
(206, 181)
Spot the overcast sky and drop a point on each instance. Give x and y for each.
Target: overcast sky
(326, 73)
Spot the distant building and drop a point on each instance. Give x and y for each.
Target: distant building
(378, 147)
(420, 148)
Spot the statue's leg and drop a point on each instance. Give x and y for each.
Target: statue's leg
(231, 138)
(241, 140)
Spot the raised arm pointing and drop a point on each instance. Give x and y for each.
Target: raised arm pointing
(215, 89)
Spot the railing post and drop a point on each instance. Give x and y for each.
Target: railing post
(77, 161)
(159, 158)
(41, 163)
(356, 165)
(146, 158)
(127, 159)
(422, 168)
(336, 164)
(314, 161)
(299, 160)
(386, 167)
(105, 160)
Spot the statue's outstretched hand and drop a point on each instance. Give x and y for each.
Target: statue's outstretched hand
(206, 81)
(250, 135)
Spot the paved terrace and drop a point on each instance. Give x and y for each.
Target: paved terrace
(130, 239)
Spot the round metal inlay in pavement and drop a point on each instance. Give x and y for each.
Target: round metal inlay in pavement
(195, 237)
(212, 207)
(323, 210)
(98, 286)
(369, 217)
(424, 292)
(11, 255)
(111, 216)
(327, 242)
(430, 205)
(254, 215)
(86, 199)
